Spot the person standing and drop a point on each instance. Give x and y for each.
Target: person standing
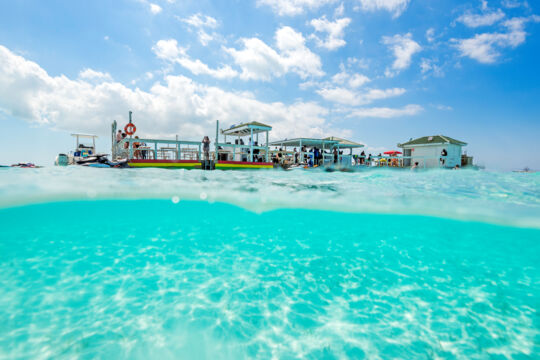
(119, 136)
(206, 148)
(444, 154)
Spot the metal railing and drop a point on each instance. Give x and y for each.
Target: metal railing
(407, 161)
(157, 149)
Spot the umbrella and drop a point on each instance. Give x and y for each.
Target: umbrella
(392, 153)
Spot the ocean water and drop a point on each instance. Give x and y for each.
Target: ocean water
(164, 264)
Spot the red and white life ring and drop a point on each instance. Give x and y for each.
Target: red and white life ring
(130, 129)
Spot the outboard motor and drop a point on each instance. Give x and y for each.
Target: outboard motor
(61, 160)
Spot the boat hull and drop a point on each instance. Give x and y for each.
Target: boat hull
(193, 164)
(173, 164)
(242, 165)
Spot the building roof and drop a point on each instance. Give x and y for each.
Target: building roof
(344, 142)
(434, 139)
(246, 128)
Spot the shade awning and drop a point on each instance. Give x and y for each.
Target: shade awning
(85, 136)
(304, 142)
(246, 129)
(344, 143)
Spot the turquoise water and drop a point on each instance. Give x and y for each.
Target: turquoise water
(285, 265)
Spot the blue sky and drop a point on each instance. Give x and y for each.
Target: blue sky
(375, 71)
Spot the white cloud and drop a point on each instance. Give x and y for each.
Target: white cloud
(334, 32)
(485, 19)
(351, 97)
(403, 48)
(89, 74)
(293, 7)
(485, 48)
(512, 4)
(430, 67)
(259, 61)
(199, 20)
(340, 10)
(178, 105)
(430, 35)
(201, 23)
(396, 7)
(352, 80)
(155, 8)
(443, 107)
(385, 112)
(170, 51)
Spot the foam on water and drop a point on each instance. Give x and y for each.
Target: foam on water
(194, 280)
(501, 198)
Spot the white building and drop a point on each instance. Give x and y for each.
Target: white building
(428, 150)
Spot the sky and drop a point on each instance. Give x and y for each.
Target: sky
(379, 72)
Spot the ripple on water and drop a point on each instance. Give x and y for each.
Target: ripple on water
(502, 198)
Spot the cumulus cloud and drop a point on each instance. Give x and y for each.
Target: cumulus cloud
(396, 7)
(177, 105)
(89, 74)
(430, 35)
(353, 81)
(352, 97)
(403, 47)
(259, 61)
(155, 8)
(484, 19)
(485, 48)
(201, 23)
(170, 51)
(512, 4)
(430, 67)
(385, 112)
(293, 7)
(334, 32)
(340, 10)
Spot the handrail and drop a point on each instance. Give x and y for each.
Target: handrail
(131, 151)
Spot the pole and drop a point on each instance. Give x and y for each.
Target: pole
(130, 112)
(267, 148)
(177, 149)
(113, 140)
(217, 138)
(251, 146)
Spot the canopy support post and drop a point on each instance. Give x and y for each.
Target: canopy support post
(216, 144)
(251, 145)
(267, 147)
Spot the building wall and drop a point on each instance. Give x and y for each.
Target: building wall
(430, 154)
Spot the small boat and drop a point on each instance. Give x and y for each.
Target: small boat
(86, 155)
(524, 170)
(82, 153)
(25, 166)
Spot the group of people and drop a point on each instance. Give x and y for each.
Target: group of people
(137, 154)
(311, 157)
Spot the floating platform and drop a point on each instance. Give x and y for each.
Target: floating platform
(204, 165)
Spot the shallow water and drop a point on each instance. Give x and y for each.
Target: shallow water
(495, 197)
(180, 279)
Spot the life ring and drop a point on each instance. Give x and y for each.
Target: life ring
(130, 129)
